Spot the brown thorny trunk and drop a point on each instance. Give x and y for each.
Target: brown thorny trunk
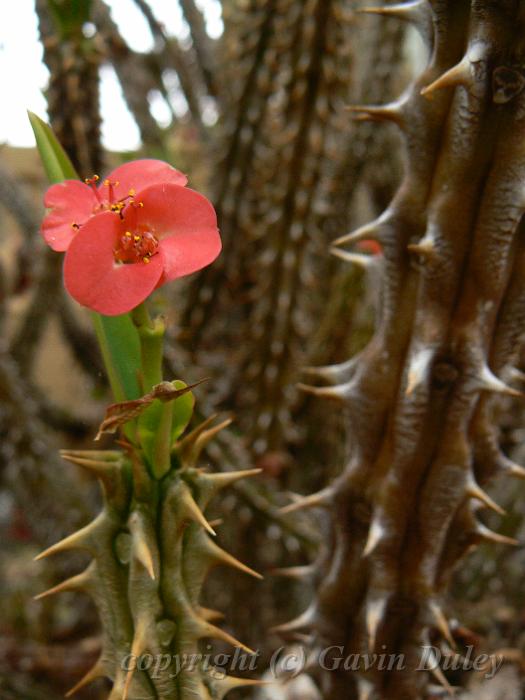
(73, 92)
(281, 191)
(419, 399)
(261, 312)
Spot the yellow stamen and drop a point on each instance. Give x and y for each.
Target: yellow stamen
(145, 259)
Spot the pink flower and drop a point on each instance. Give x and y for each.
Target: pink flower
(126, 245)
(72, 203)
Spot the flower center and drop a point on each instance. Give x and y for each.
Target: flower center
(108, 202)
(139, 246)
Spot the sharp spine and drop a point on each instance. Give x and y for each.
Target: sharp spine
(294, 572)
(374, 616)
(487, 381)
(109, 456)
(338, 393)
(457, 75)
(476, 492)
(203, 439)
(362, 261)
(185, 444)
(80, 582)
(223, 479)
(425, 248)
(78, 540)
(137, 647)
(373, 231)
(375, 535)
(333, 373)
(223, 686)
(416, 12)
(193, 512)
(321, 499)
(490, 536)
(209, 630)
(419, 369)
(442, 623)
(392, 112)
(210, 615)
(302, 622)
(223, 557)
(514, 469)
(97, 671)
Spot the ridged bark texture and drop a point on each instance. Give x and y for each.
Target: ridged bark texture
(73, 91)
(288, 66)
(419, 399)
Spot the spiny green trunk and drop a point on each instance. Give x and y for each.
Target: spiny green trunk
(151, 552)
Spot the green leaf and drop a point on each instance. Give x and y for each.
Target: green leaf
(55, 160)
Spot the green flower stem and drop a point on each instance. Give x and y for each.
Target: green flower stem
(141, 316)
(115, 382)
(151, 334)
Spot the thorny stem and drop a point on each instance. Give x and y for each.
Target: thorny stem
(162, 451)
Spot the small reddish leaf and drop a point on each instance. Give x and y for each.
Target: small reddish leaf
(117, 414)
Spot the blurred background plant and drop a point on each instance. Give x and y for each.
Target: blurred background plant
(253, 109)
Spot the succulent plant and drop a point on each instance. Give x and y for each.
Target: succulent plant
(152, 549)
(419, 399)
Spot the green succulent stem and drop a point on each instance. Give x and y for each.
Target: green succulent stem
(162, 448)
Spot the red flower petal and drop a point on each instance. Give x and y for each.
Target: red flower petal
(185, 253)
(185, 223)
(138, 174)
(71, 202)
(93, 278)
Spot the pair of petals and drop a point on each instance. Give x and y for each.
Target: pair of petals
(185, 225)
(74, 202)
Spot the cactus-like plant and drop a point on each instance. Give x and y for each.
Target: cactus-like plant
(152, 549)
(419, 399)
(150, 545)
